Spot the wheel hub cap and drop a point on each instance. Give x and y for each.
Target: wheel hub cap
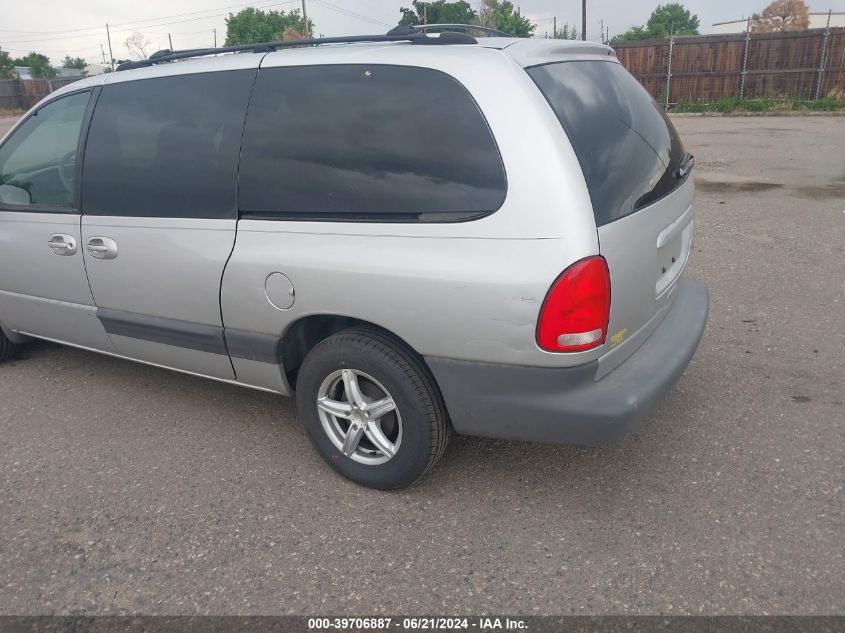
(359, 416)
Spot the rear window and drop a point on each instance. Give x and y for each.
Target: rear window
(628, 149)
(367, 142)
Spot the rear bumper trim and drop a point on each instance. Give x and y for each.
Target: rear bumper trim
(569, 405)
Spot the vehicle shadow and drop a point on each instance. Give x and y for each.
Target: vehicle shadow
(527, 470)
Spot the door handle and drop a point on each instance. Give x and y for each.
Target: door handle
(62, 244)
(102, 248)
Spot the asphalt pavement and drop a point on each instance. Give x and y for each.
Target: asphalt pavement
(126, 488)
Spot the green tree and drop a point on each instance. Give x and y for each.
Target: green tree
(500, 15)
(438, 12)
(566, 33)
(665, 20)
(7, 67)
(251, 26)
(672, 19)
(38, 64)
(74, 62)
(633, 34)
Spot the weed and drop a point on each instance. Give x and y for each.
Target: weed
(728, 105)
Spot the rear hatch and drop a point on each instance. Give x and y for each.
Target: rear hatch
(638, 176)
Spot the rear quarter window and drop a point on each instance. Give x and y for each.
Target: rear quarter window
(628, 149)
(367, 143)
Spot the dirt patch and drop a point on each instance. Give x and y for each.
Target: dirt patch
(738, 186)
(831, 191)
(823, 192)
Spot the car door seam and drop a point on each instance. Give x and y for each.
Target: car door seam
(237, 217)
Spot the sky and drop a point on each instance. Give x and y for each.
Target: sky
(58, 27)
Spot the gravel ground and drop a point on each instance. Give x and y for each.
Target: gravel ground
(126, 488)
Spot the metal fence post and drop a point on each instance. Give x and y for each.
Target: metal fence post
(823, 59)
(23, 100)
(745, 60)
(669, 71)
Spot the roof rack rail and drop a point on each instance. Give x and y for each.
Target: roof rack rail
(398, 34)
(464, 27)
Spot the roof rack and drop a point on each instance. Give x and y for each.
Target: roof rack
(398, 34)
(464, 27)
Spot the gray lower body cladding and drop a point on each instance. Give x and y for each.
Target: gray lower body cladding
(213, 339)
(568, 405)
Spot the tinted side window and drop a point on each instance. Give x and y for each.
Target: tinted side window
(37, 163)
(167, 147)
(626, 145)
(367, 142)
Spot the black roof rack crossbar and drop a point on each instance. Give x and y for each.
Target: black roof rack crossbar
(464, 27)
(405, 35)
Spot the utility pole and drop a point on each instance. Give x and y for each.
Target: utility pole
(170, 41)
(215, 38)
(554, 29)
(584, 20)
(102, 50)
(305, 20)
(111, 55)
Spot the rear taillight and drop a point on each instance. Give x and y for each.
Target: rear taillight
(575, 313)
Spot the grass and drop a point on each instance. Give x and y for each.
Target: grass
(7, 112)
(728, 105)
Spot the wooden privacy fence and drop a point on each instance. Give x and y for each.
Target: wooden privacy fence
(805, 64)
(20, 94)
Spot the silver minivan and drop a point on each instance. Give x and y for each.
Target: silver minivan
(415, 234)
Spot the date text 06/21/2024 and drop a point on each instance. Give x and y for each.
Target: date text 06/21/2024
(418, 623)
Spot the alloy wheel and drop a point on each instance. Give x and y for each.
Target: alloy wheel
(359, 416)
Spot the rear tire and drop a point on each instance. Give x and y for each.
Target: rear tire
(7, 348)
(372, 409)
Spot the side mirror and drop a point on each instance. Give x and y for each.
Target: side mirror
(9, 194)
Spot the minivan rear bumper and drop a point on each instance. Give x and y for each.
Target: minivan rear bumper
(568, 405)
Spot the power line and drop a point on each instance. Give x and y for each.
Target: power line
(162, 17)
(349, 13)
(172, 32)
(205, 17)
(52, 50)
(234, 6)
(143, 26)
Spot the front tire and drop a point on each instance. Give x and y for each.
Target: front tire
(7, 348)
(371, 409)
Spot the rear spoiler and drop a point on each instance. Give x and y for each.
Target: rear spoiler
(536, 51)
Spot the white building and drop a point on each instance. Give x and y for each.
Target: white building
(817, 21)
(24, 73)
(68, 73)
(95, 69)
